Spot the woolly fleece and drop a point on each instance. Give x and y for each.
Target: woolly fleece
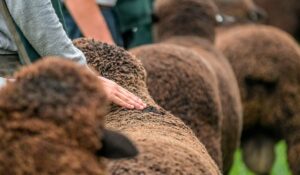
(166, 145)
(48, 125)
(266, 62)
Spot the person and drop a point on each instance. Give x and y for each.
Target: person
(104, 26)
(135, 21)
(39, 23)
(129, 21)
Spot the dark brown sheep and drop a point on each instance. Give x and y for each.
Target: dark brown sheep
(183, 21)
(267, 65)
(166, 145)
(184, 83)
(283, 14)
(51, 122)
(191, 24)
(240, 12)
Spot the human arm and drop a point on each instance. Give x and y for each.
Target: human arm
(2, 82)
(89, 19)
(41, 27)
(120, 96)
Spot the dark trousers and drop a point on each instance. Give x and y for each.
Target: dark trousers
(9, 64)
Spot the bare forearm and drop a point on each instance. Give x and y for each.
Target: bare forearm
(89, 19)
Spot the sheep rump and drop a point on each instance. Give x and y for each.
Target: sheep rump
(266, 62)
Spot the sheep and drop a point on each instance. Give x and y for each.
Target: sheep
(283, 14)
(191, 24)
(184, 83)
(240, 12)
(51, 122)
(266, 62)
(167, 146)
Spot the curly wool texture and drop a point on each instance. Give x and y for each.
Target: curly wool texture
(266, 62)
(182, 82)
(177, 18)
(228, 90)
(48, 125)
(283, 14)
(166, 145)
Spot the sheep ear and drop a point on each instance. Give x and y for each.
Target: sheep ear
(116, 146)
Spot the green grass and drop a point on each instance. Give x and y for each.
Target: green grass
(280, 167)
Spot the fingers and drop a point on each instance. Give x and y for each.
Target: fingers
(121, 96)
(129, 98)
(121, 102)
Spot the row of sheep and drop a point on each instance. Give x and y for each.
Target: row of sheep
(52, 122)
(266, 63)
(207, 91)
(197, 77)
(282, 14)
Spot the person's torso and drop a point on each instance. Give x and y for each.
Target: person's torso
(7, 45)
(133, 13)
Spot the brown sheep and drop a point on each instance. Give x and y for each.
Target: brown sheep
(283, 14)
(51, 122)
(166, 145)
(184, 83)
(240, 12)
(266, 62)
(191, 24)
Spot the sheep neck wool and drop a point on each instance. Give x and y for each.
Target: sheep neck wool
(45, 128)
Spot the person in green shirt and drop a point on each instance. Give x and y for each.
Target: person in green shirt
(135, 19)
(131, 19)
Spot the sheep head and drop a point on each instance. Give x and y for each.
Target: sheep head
(62, 101)
(185, 18)
(240, 11)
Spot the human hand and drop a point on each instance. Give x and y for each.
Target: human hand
(3, 81)
(121, 96)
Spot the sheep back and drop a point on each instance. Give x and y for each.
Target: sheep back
(166, 144)
(183, 83)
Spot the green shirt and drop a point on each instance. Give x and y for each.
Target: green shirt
(135, 16)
